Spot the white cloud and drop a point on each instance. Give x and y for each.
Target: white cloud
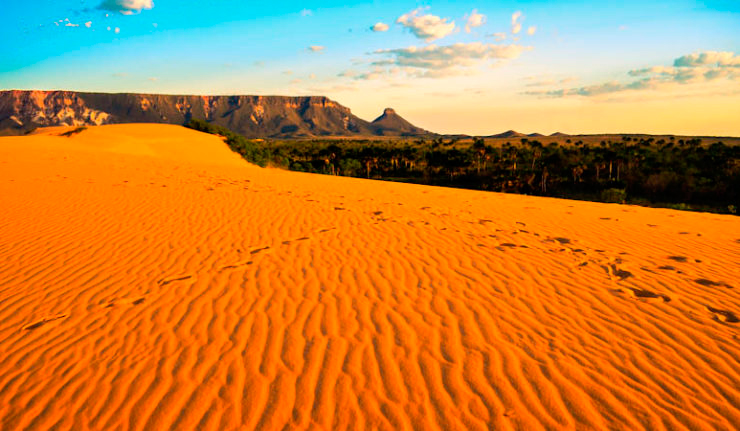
(116, 30)
(428, 27)
(498, 37)
(516, 25)
(316, 48)
(697, 68)
(312, 76)
(349, 73)
(475, 19)
(69, 24)
(456, 59)
(127, 7)
(306, 12)
(709, 58)
(379, 27)
(153, 79)
(532, 30)
(88, 24)
(541, 83)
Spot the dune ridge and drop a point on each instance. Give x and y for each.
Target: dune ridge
(151, 279)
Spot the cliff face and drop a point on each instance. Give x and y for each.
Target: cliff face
(252, 116)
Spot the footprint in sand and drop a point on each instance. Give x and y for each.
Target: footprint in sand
(43, 322)
(682, 259)
(620, 273)
(646, 294)
(710, 283)
(236, 265)
(168, 280)
(259, 250)
(723, 315)
(126, 301)
(255, 251)
(612, 270)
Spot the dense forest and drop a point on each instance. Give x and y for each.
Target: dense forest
(672, 172)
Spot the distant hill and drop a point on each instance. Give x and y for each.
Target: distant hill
(251, 116)
(508, 134)
(391, 124)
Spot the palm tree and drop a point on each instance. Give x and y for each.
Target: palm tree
(479, 146)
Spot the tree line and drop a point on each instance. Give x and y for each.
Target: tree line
(670, 172)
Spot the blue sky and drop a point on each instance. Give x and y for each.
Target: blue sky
(473, 67)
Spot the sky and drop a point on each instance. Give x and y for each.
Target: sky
(451, 67)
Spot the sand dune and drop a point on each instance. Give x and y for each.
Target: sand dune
(151, 279)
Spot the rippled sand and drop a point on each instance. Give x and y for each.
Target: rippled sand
(151, 279)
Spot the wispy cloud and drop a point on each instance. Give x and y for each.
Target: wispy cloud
(475, 20)
(709, 58)
(379, 27)
(516, 22)
(127, 7)
(532, 30)
(694, 68)
(306, 12)
(349, 73)
(498, 37)
(316, 48)
(439, 61)
(427, 27)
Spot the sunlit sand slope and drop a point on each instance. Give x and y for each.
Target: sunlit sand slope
(150, 279)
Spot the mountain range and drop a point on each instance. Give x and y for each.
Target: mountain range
(251, 116)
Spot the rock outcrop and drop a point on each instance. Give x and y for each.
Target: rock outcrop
(252, 116)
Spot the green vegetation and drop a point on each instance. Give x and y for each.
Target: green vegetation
(682, 174)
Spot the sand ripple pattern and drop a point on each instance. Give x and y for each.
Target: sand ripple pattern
(142, 292)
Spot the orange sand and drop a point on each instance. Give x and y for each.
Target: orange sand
(151, 279)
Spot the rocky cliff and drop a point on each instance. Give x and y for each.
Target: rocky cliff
(252, 116)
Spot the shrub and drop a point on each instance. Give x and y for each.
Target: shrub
(617, 196)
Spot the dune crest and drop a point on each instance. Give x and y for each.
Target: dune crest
(151, 279)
